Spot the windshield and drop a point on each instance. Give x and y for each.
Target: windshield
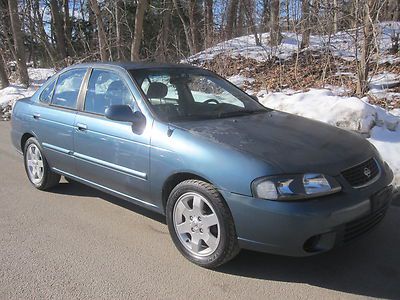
(191, 94)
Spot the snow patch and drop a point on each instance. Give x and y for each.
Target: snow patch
(341, 44)
(15, 91)
(240, 80)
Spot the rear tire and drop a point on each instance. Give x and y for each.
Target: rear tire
(37, 168)
(201, 225)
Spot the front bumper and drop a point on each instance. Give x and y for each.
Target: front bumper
(303, 228)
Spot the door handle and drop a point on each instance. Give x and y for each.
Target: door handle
(36, 116)
(81, 127)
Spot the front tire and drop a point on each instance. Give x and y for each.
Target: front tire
(37, 168)
(201, 225)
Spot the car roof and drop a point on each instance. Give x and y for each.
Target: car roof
(134, 66)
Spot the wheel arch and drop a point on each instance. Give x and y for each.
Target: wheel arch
(173, 180)
(24, 138)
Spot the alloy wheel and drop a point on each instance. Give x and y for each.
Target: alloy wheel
(34, 162)
(196, 224)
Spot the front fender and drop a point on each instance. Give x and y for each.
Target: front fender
(178, 151)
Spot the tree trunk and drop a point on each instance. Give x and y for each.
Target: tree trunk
(355, 13)
(67, 20)
(231, 17)
(3, 75)
(104, 54)
(138, 33)
(275, 32)
(240, 20)
(208, 23)
(186, 25)
(266, 16)
(118, 21)
(163, 37)
(335, 16)
(58, 25)
(370, 15)
(287, 2)
(18, 42)
(305, 24)
(41, 33)
(68, 28)
(249, 11)
(194, 21)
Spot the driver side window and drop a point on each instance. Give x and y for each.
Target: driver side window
(106, 88)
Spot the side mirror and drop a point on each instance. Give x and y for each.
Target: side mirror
(254, 97)
(124, 113)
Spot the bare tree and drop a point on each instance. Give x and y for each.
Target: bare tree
(370, 16)
(287, 4)
(41, 33)
(138, 33)
(266, 14)
(18, 42)
(67, 20)
(103, 45)
(68, 26)
(186, 25)
(305, 24)
(335, 16)
(58, 25)
(248, 7)
(275, 32)
(208, 23)
(231, 17)
(195, 20)
(118, 33)
(163, 36)
(3, 75)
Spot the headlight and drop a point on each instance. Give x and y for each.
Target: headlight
(294, 187)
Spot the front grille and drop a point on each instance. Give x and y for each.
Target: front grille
(362, 174)
(358, 227)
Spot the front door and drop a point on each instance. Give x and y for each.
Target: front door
(107, 152)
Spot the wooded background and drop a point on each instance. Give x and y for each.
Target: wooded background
(57, 33)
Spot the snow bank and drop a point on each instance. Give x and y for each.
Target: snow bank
(240, 80)
(15, 91)
(379, 126)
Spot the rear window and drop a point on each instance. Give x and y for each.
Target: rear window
(47, 93)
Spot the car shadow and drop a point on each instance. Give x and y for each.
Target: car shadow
(77, 189)
(370, 266)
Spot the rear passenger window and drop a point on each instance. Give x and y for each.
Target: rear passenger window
(105, 89)
(46, 94)
(67, 88)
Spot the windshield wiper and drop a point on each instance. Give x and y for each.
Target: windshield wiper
(196, 117)
(238, 113)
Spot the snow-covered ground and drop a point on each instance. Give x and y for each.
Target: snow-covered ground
(341, 44)
(17, 91)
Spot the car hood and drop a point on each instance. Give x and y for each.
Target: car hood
(293, 144)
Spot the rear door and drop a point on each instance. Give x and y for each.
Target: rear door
(54, 123)
(108, 153)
